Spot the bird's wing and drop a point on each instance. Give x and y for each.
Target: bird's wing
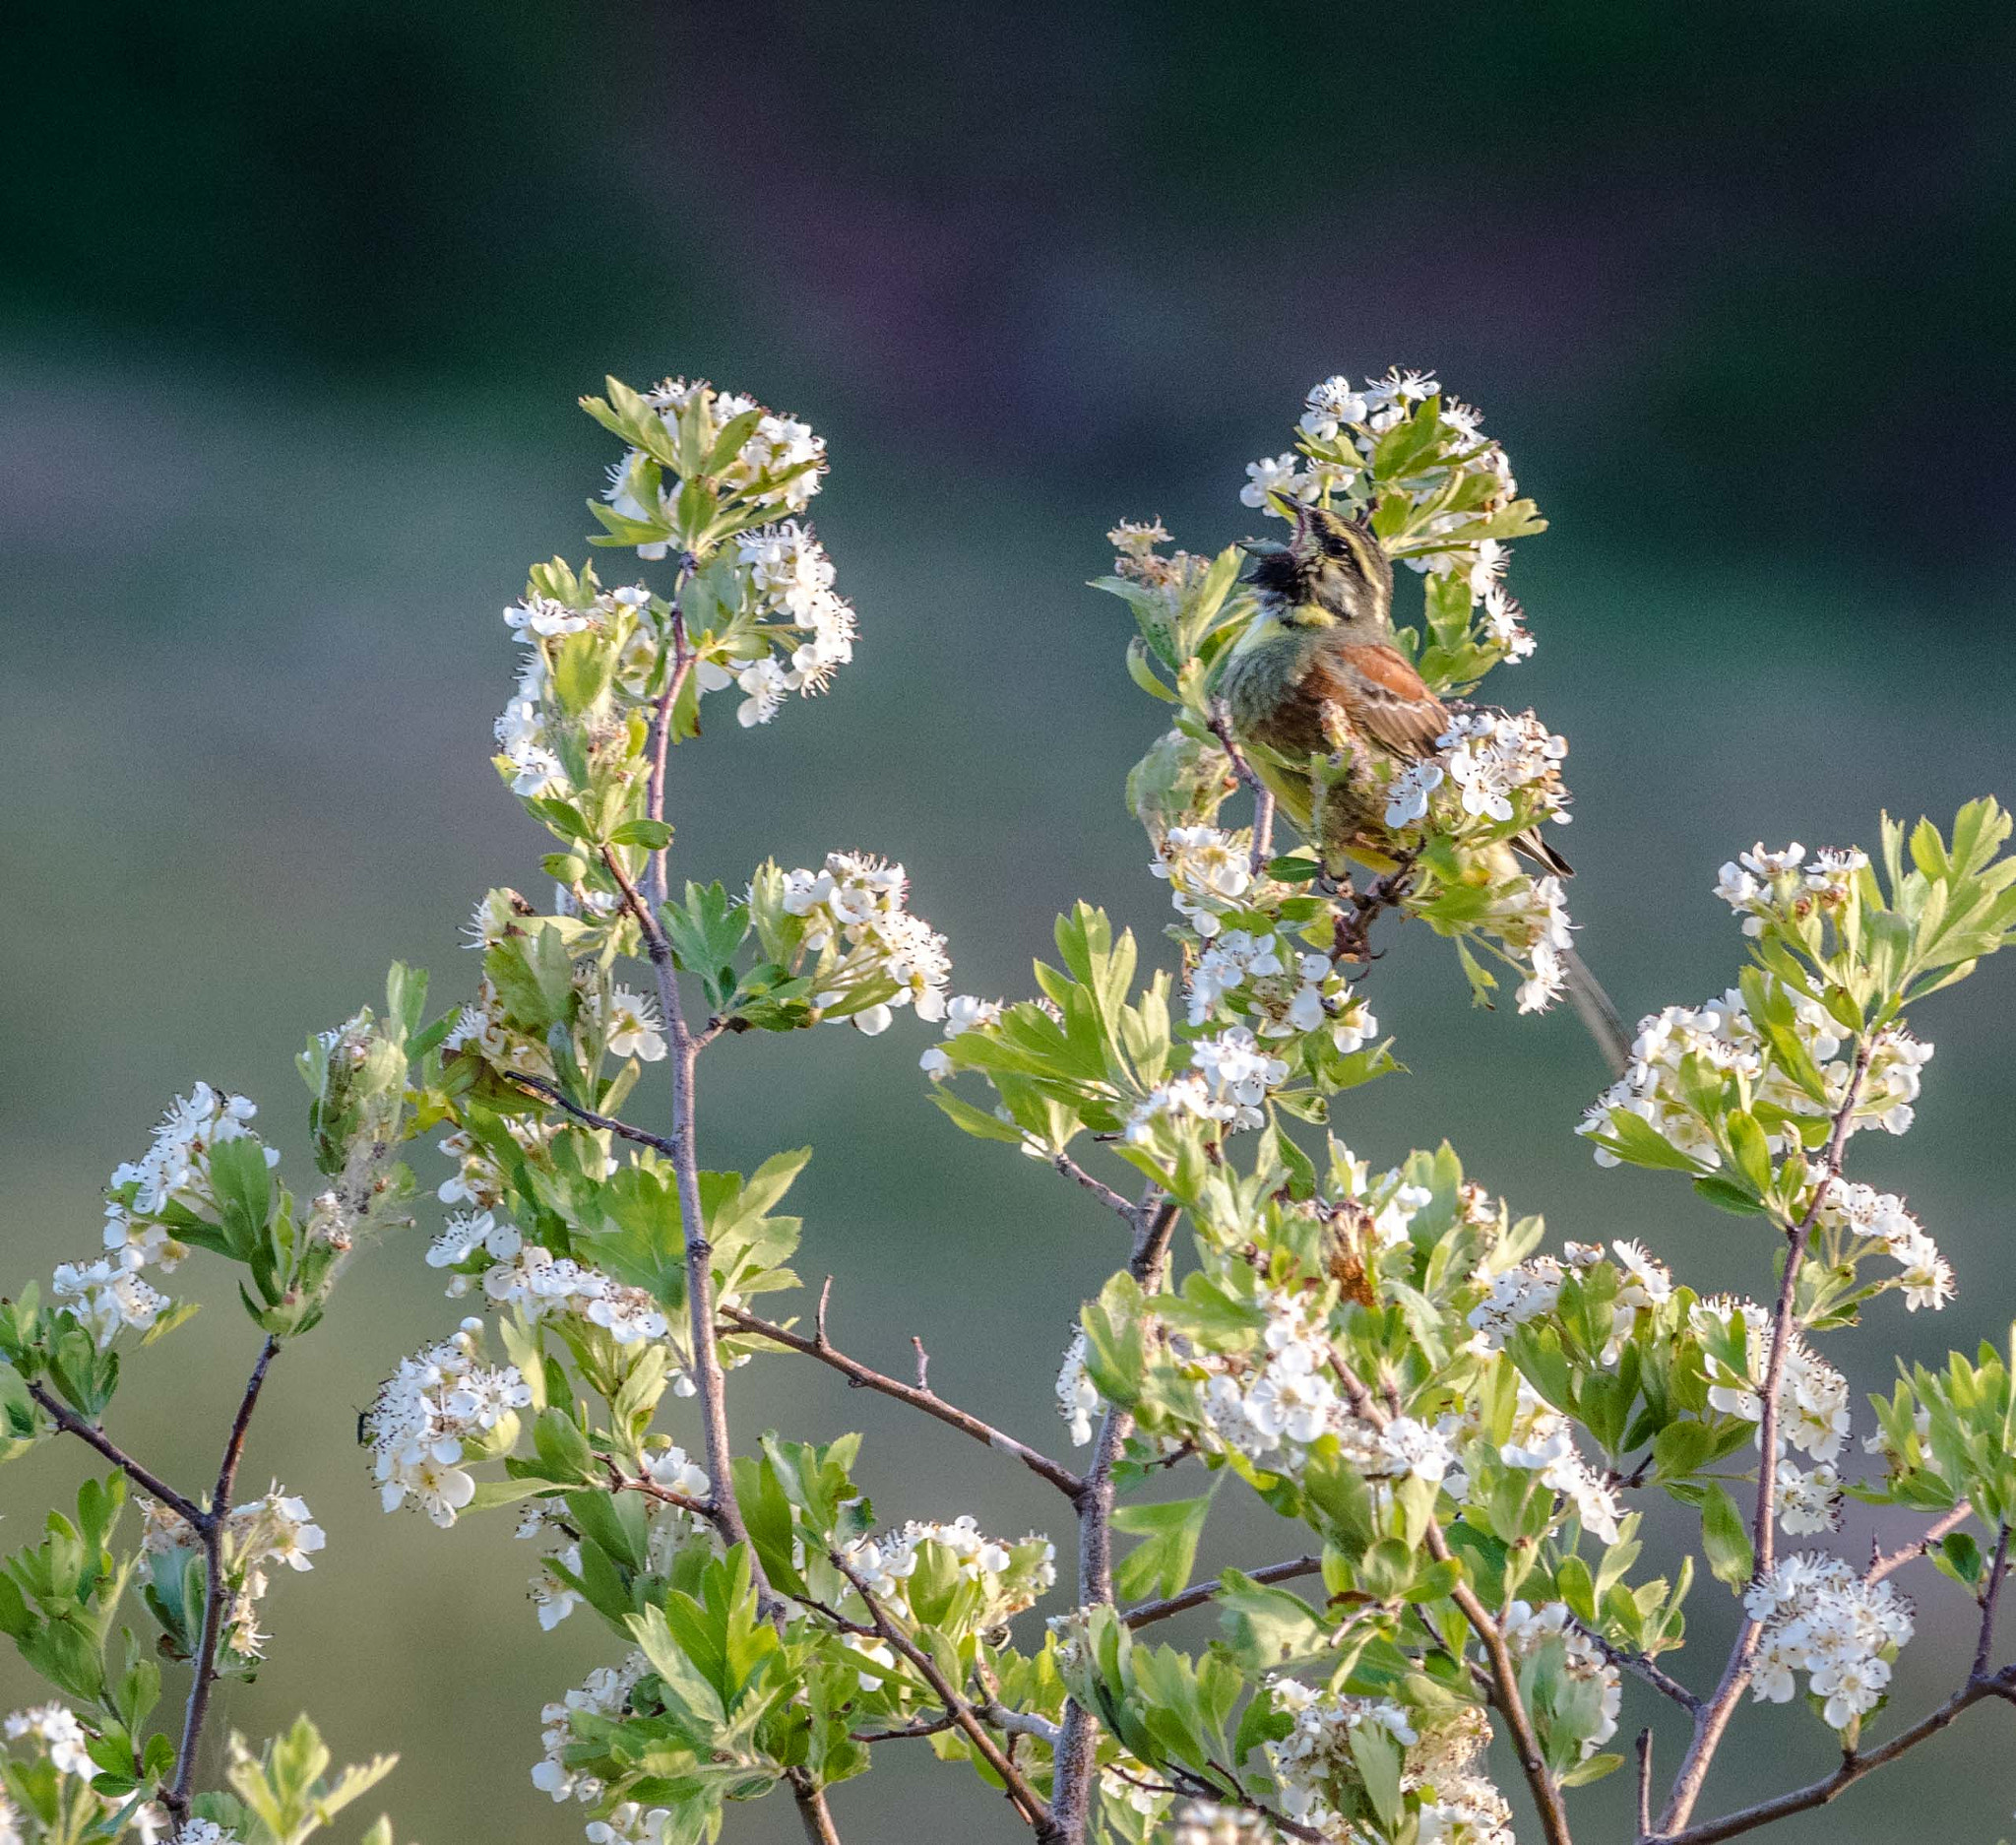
(1383, 696)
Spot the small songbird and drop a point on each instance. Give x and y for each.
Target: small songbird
(1317, 675)
(1323, 697)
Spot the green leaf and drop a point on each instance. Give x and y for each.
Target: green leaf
(1724, 1540)
(656, 835)
(1161, 1565)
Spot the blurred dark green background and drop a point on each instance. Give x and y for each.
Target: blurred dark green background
(294, 305)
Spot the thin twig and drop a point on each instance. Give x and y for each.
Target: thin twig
(1145, 1612)
(1105, 1193)
(1641, 1666)
(1882, 1562)
(1263, 795)
(1644, 1782)
(1989, 1591)
(1077, 1754)
(642, 1484)
(1713, 1718)
(210, 1529)
(1503, 1676)
(93, 1437)
(607, 1123)
(917, 1345)
(1032, 1806)
(863, 1377)
(1853, 1765)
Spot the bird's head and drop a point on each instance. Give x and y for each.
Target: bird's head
(1340, 566)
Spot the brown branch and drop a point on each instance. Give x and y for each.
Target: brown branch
(1105, 1193)
(607, 1123)
(710, 1383)
(1503, 1676)
(1853, 1766)
(1032, 1808)
(1074, 1773)
(1882, 1562)
(1263, 795)
(1713, 1718)
(862, 1377)
(1144, 1613)
(211, 1530)
(813, 1813)
(93, 1437)
(1644, 1783)
(1989, 1591)
(1643, 1667)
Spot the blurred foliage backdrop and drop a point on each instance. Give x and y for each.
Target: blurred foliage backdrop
(294, 305)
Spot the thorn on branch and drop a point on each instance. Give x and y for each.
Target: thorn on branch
(924, 1362)
(1263, 795)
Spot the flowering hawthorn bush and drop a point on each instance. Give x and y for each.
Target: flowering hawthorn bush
(1454, 1423)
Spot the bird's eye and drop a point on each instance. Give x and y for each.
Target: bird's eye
(1335, 547)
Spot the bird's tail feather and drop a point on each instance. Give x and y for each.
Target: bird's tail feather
(1596, 1009)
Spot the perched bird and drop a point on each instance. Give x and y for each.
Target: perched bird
(1323, 701)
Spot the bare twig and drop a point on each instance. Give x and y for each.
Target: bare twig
(1142, 1614)
(620, 1482)
(1073, 1777)
(93, 1437)
(924, 1362)
(1713, 1718)
(211, 1530)
(1031, 1805)
(863, 1377)
(1855, 1765)
(1105, 1193)
(1989, 1591)
(607, 1123)
(1644, 1782)
(1882, 1562)
(1641, 1666)
(1263, 795)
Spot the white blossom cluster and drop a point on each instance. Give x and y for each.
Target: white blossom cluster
(1486, 759)
(1529, 1289)
(667, 1529)
(1273, 1406)
(604, 1692)
(792, 578)
(1228, 1081)
(779, 446)
(275, 1529)
(109, 1292)
(1077, 1397)
(1207, 1823)
(1314, 1763)
(1012, 1576)
(622, 1022)
(1820, 1618)
(1719, 1035)
(964, 1012)
(541, 1284)
(1531, 921)
(1764, 887)
(1544, 1442)
(857, 925)
(1282, 988)
(1814, 1414)
(1209, 871)
(1527, 1630)
(526, 730)
(442, 1403)
(1878, 1219)
(478, 1179)
(1341, 425)
(54, 1734)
